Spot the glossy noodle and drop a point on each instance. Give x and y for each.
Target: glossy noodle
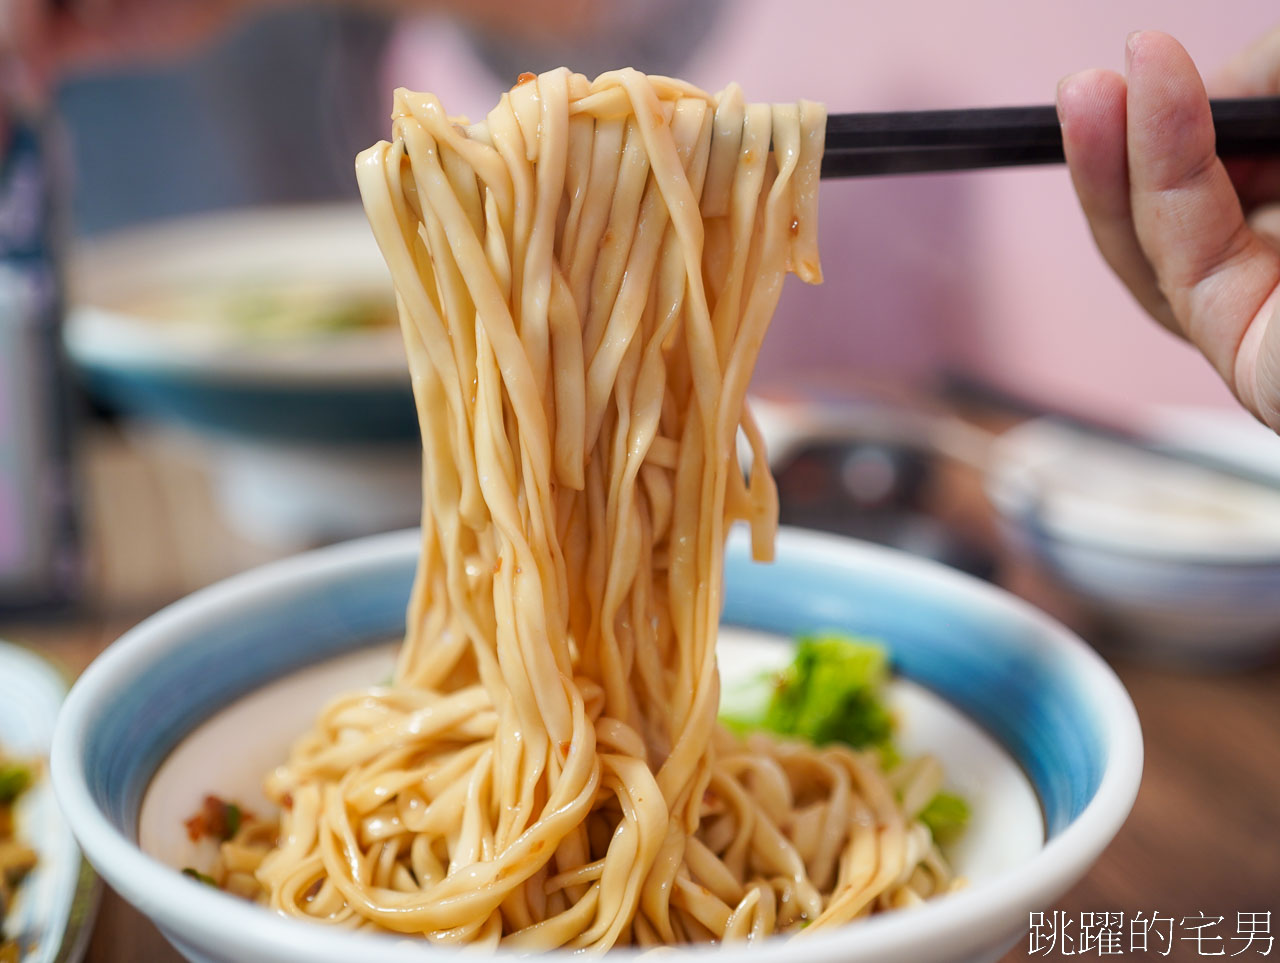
(584, 280)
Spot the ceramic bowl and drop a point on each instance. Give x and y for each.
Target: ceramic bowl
(1026, 718)
(1181, 563)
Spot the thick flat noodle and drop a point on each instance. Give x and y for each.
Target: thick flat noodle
(584, 281)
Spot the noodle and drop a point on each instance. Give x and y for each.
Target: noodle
(584, 281)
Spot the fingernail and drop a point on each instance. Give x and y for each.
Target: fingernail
(1130, 44)
(1057, 97)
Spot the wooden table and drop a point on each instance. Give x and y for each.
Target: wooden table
(1204, 835)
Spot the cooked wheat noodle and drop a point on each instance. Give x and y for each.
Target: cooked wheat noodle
(584, 280)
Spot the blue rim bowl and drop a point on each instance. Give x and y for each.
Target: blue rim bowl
(1048, 698)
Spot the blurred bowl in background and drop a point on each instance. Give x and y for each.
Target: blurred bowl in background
(272, 334)
(276, 322)
(1179, 561)
(801, 417)
(865, 462)
(288, 494)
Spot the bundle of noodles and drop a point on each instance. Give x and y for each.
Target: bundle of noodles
(584, 280)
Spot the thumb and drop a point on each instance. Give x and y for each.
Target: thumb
(1219, 277)
(1262, 384)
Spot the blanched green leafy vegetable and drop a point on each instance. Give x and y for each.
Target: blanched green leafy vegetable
(833, 692)
(15, 778)
(199, 877)
(234, 817)
(273, 312)
(946, 816)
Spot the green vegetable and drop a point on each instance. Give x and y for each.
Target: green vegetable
(272, 313)
(233, 816)
(833, 692)
(199, 877)
(946, 816)
(15, 779)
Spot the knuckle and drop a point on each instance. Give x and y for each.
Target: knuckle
(1234, 249)
(1190, 175)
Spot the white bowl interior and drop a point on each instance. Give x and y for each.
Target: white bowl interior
(1006, 829)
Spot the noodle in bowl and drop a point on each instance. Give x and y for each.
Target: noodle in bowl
(1048, 700)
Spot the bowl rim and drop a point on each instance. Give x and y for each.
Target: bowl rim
(969, 919)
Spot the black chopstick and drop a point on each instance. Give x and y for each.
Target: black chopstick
(907, 142)
(974, 395)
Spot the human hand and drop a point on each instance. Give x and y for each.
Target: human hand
(1196, 241)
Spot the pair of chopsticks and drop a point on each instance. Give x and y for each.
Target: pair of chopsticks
(909, 142)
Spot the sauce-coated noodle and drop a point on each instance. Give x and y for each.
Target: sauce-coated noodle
(584, 280)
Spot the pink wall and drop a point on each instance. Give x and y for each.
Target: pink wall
(993, 270)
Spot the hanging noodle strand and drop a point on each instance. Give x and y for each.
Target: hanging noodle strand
(584, 280)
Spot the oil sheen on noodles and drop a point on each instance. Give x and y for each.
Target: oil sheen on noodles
(584, 280)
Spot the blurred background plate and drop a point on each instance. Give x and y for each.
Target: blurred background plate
(55, 905)
(267, 337)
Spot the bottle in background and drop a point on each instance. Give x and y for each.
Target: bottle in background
(38, 561)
